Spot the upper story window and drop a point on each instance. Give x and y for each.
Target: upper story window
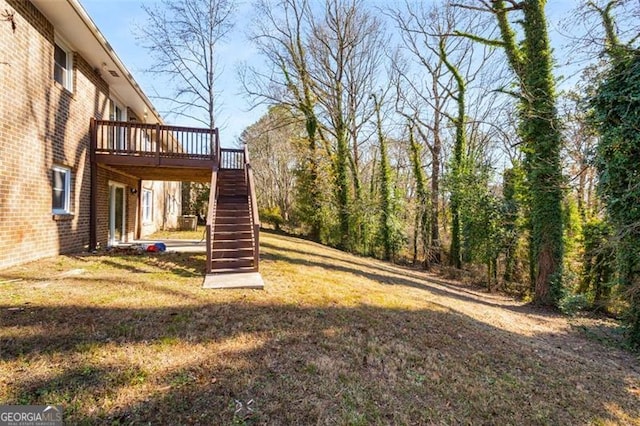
(116, 111)
(63, 65)
(61, 190)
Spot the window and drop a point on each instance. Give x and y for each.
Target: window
(61, 189)
(147, 205)
(118, 134)
(116, 111)
(63, 65)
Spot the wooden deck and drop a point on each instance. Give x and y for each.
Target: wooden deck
(158, 152)
(154, 151)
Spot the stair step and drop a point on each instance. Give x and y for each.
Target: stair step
(232, 263)
(235, 253)
(233, 219)
(234, 270)
(232, 212)
(240, 244)
(231, 199)
(233, 194)
(232, 206)
(222, 235)
(232, 227)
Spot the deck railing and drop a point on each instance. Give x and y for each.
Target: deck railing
(127, 138)
(213, 199)
(232, 159)
(253, 200)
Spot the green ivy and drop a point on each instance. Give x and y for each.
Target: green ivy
(617, 116)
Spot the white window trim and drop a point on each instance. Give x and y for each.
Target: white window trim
(115, 102)
(68, 80)
(112, 185)
(147, 219)
(67, 189)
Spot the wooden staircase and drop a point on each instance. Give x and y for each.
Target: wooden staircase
(232, 225)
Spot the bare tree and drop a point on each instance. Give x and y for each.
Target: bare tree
(279, 32)
(323, 65)
(346, 49)
(275, 148)
(422, 97)
(181, 37)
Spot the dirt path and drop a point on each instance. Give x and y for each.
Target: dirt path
(550, 332)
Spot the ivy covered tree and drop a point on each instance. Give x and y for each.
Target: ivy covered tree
(617, 116)
(539, 129)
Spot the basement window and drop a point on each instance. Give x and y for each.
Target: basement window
(61, 190)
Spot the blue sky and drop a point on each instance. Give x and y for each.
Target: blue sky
(117, 20)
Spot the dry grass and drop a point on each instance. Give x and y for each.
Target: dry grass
(333, 339)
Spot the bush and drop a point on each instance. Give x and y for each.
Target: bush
(271, 216)
(571, 304)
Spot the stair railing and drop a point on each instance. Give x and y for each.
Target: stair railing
(254, 209)
(213, 199)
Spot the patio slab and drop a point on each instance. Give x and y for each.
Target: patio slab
(251, 280)
(181, 246)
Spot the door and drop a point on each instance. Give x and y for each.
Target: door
(117, 210)
(118, 136)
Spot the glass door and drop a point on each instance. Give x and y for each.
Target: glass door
(117, 210)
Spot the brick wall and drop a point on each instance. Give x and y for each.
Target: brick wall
(41, 125)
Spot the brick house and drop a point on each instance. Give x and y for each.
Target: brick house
(85, 160)
(58, 73)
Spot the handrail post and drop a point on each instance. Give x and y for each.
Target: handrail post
(208, 267)
(158, 144)
(211, 215)
(218, 149)
(254, 211)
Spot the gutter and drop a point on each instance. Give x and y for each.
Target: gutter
(75, 4)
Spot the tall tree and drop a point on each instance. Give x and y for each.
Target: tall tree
(422, 208)
(539, 128)
(386, 191)
(345, 47)
(616, 107)
(181, 37)
(422, 99)
(279, 33)
(275, 150)
(459, 147)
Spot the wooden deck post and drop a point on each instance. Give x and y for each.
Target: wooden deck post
(158, 142)
(93, 194)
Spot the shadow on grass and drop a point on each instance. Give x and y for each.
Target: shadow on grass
(204, 362)
(186, 265)
(395, 276)
(219, 360)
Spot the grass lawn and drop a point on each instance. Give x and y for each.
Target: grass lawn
(333, 339)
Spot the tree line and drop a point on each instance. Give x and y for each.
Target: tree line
(434, 133)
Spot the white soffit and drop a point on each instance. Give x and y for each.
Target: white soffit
(72, 22)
